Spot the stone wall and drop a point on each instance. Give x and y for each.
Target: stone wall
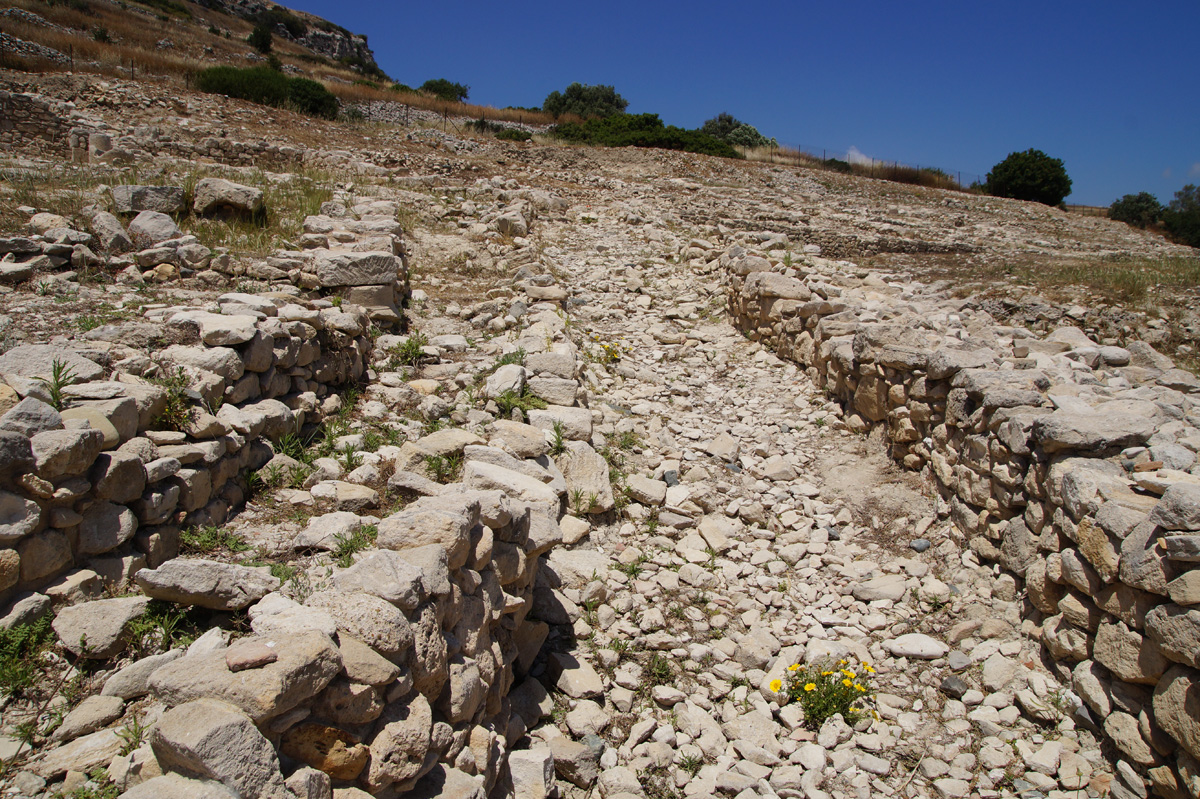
(141, 444)
(107, 482)
(31, 120)
(1069, 462)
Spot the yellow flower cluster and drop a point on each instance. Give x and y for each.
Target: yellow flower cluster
(611, 351)
(822, 691)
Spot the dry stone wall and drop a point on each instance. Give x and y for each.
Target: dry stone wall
(153, 425)
(1069, 462)
(27, 119)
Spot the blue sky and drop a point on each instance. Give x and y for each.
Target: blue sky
(1113, 89)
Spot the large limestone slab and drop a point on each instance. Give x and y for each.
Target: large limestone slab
(216, 740)
(37, 360)
(442, 520)
(214, 195)
(135, 199)
(335, 268)
(1177, 707)
(367, 618)
(97, 629)
(587, 476)
(1095, 433)
(207, 583)
(306, 663)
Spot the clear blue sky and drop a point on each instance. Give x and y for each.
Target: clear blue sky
(1111, 88)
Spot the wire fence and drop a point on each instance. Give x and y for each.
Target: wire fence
(871, 166)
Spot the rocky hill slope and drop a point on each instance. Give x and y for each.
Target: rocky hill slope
(398, 461)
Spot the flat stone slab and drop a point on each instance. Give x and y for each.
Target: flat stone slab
(307, 662)
(207, 583)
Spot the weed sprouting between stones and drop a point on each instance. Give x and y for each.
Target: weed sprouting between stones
(347, 546)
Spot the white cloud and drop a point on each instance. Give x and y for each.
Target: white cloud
(855, 156)
(1194, 172)
(1167, 172)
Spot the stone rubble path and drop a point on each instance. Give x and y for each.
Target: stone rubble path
(766, 550)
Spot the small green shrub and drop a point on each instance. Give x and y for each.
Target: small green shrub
(210, 538)
(659, 670)
(1030, 175)
(499, 131)
(525, 401)
(513, 134)
(740, 134)
(837, 165)
(444, 468)
(1137, 210)
(61, 376)
(408, 353)
(347, 546)
(21, 650)
(260, 39)
(266, 86)
(101, 35)
(278, 15)
(642, 130)
(558, 446)
(178, 413)
(516, 357)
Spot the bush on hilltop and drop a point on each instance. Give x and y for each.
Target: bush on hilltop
(1182, 216)
(445, 90)
(585, 101)
(642, 130)
(1137, 210)
(266, 86)
(1030, 175)
(728, 128)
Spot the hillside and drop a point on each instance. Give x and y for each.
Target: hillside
(380, 456)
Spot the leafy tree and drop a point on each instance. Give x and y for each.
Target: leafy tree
(1030, 175)
(1137, 210)
(721, 125)
(585, 101)
(1182, 216)
(260, 39)
(728, 128)
(445, 90)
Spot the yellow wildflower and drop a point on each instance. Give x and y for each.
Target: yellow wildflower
(847, 683)
(859, 688)
(870, 670)
(812, 686)
(826, 673)
(848, 673)
(776, 685)
(794, 667)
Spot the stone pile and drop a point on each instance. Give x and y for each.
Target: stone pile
(1070, 462)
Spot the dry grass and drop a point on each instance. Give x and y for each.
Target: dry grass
(1125, 281)
(895, 173)
(68, 188)
(361, 93)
